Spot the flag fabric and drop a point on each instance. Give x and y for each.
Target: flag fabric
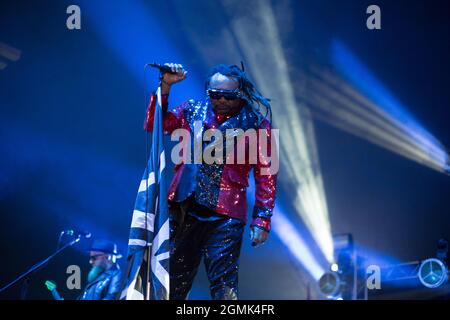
(147, 276)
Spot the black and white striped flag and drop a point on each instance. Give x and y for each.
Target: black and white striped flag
(148, 246)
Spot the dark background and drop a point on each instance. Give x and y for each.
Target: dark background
(73, 150)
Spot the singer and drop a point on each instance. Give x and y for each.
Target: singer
(207, 202)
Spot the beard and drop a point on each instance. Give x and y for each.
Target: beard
(94, 273)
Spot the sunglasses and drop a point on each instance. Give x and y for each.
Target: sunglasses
(227, 94)
(96, 256)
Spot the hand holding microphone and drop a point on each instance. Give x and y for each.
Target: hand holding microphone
(177, 74)
(172, 72)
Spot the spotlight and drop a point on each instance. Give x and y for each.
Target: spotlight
(368, 109)
(334, 267)
(296, 244)
(329, 285)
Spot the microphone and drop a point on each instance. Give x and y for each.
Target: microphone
(162, 68)
(78, 233)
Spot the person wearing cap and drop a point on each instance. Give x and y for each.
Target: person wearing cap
(105, 276)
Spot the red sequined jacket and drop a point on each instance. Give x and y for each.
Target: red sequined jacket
(220, 187)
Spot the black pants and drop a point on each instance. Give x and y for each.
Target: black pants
(218, 242)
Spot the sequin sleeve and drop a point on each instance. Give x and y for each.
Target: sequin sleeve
(265, 184)
(172, 119)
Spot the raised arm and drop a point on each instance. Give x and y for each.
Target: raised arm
(172, 120)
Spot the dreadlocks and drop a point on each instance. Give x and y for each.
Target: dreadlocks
(250, 94)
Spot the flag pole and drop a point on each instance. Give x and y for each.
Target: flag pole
(149, 248)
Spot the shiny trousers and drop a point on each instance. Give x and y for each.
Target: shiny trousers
(218, 243)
